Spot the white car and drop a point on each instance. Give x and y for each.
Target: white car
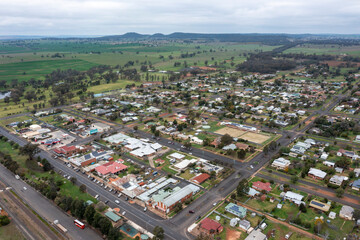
(119, 194)
(117, 202)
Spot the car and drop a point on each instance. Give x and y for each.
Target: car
(94, 180)
(126, 198)
(77, 170)
(123, 213)
(145, 209)
(89, 176)
(102, 185)
(169, 142)
(117, 202)
(251, 166)
(106, 202)
(198, 217)
(97, 196)
(215, 203)
(110, 190)
(69, 177)
(98, 181)
(191, 211)
(119, 194)
(190, 153)
(105, 187)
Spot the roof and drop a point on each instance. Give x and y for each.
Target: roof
(319, 205)
(317, 173)
(256, 235)
(111, 167)
(177, 196)
(201, 178)
(293, 196)
(113, 217)
(210, 224)
(356, 183)
(262, 186)
(346, 210)
(236, 209)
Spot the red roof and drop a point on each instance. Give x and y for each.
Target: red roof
(111, 167)
(210, 224)
(201, 178)
(261, 186)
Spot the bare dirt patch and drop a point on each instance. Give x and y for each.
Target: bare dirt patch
(232, 234)
(231, 131)
(255, 137)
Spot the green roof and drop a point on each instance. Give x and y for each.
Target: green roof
(113, 217)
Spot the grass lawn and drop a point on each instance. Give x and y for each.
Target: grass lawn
(11, 232)
(288, 211)
(121, 84)
(265, 206)
(5, 122)
(187, 175)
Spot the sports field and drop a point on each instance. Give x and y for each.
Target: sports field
(231, 131)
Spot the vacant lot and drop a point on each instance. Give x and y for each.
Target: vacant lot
(255, 137)
(231, 131)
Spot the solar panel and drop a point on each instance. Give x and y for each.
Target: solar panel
(318, 204)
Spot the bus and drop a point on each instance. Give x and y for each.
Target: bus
(79, 224)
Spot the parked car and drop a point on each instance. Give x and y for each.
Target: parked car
(191, 211)
(117, 202)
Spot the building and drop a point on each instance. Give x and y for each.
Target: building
(201, 178)
(168, 203)
(356, 185)
(244, 224)
(316, 173)
(110, 168)
(281, 163)
(210, 226)
(260, 186)
(67, 151)
(256, 235)
(346, 212)
(319, 205)
(236, 210)
(337, 180)
(101, 127)
(293, 197)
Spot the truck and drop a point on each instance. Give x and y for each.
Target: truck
(61, 227)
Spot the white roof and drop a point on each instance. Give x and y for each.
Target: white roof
(293, 196)
(184, 163)
(281, 161)
(177, 196)
(317, 172)
(177, 155)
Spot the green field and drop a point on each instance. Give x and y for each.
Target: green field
(332, 49)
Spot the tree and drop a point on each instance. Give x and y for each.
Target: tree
(113, 234)
(89, 214)
(135, 128)
(339, 192)
(158, 232)
(294, 179)
(104, 225)
(83, 188)
(242, 188)
(302, 208)
(157, 133)
(226, 139)
(73, 180)
(29, 149)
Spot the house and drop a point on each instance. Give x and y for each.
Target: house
(293, 197)
(281, 163)
(346, 212)
(256, 235)
(244, 224)
(357, 172)
(316, 173)
(101, 127)
(329, 164)
(236, 210)
(260, 186)
(356, 185)
(200, 178)
(110, 168)
(210, 226)
(319, 205)
(324, 156)
(332, 215)
(67, 151)
(337, 180)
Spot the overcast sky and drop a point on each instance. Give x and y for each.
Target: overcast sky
(106, 17)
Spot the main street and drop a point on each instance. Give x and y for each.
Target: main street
(176, 228)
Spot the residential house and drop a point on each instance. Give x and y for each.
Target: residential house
(316, 173)
(237, 210)
(281, 163)
(101, 127)
(356, 185)
(201, 178)
(210, 226)
(293, 197)
(260, 186)
(319, 205)
(256, 235)
(337, 180)
(346, 212)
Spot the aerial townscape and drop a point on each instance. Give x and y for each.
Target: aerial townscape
(178, 135)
